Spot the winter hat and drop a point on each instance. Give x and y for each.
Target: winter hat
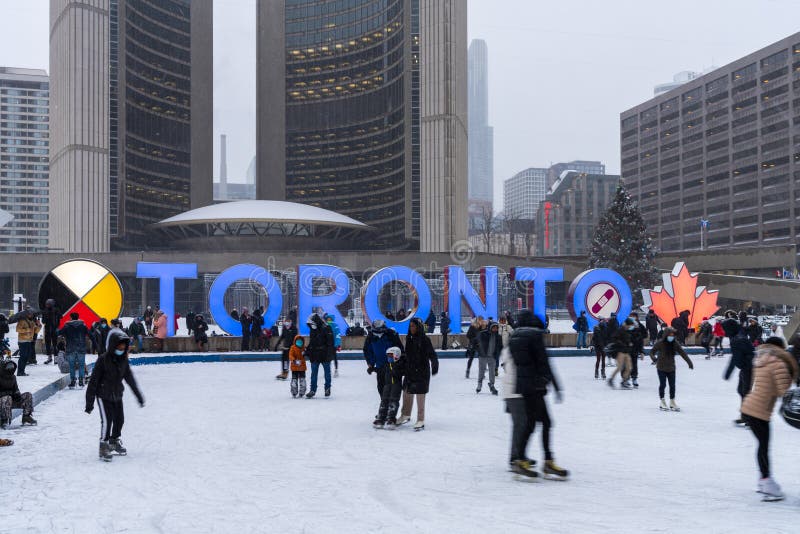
(730, 326)
(778, 342)
(629, 321)
(393, 354)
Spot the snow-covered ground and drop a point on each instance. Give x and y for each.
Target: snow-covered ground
(224, 448)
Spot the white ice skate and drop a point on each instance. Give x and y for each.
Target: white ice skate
(403, 420)
(663, 406)
(419, 425)
(770, 489)
(673, 407)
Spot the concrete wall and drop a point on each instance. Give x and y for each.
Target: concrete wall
(202, 102)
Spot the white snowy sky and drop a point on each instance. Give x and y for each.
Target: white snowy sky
(560, 71)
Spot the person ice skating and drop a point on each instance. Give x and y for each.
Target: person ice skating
(638, 336)
(337, 342)
(719, 334)
(444, 328)
(285, 343)
(582, 328)
(754, 332)
(663, 356)
(742, 354)
(681, 326)
(599, 342)
(51, 319)
(10, 396)
(105, 386)
(297, 364)
(774, 370)
(116, 328)
(320, 352)
(651, 323)
(612, 326)
(392, 386)
(75, 333)
(489, 346)
(505, 329)
(430, 322)
(420, 364)
(623, 346)
(378, 341)
(475, 327)
(533, 375)
(246, 321)
(776, 330)
(706, 335)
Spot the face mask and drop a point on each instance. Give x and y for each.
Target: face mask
(631, 327)
(670, 338)
(287, 325)
(298, 343)
(119, 352)
(313, 326)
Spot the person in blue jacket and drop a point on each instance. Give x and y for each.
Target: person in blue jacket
(380, 339)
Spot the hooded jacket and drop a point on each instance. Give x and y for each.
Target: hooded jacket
(490, 343)
(75, 334)
(420, 360)
(297, 361)
(376, 343)
(287, 338)
(773, 372)
(651, 322)
(530, 357)
(8, 381)
(109, 372)
(742, 351)
(320, 340)
(666, 351)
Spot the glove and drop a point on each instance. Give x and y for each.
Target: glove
(691, 366)
(141, 403)
(559, 397)
(370, 369)
(89, 408)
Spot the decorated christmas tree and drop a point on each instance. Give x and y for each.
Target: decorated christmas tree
(621, 243)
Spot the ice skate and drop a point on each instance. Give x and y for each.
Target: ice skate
(49, 360)
(71, 384)
(673, 407)
(740, 422)
(115, 446)
(105, 452)
(281, 376)
(596, 375)
(610, 383)
(492, 389)
(478, 389)
(663, 406)
(625, 384)
(603, 375)
(554, 472)
(771, 490)
(391, 424)
(466, 375)
(403, 420)
(80, 382)
(327, 392)
(310, 394)
(523, 468)
(419, 425)
(377, 424)
(28, 420)
(635, 383)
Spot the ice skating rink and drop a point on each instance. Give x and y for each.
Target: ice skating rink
(224, 448)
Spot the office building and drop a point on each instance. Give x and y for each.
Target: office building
(588, 167)
(340, 112)
(677, 80)
(721, 148)
(131, 112)
(24, 139)
(481, 135)
(523, 192)
(568, 216)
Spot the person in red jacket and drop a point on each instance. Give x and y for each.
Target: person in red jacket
(719, 333)
(297, 364)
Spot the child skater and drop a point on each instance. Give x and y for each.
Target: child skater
(297, 363)
(666, 348)
(105, 385)
(392, 387)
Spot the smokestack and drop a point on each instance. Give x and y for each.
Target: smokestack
(223, 167)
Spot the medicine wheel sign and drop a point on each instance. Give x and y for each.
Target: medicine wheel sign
(84, 287)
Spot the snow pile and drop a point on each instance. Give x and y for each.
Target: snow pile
(224, 448)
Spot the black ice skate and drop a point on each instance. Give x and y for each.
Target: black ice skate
(28, 420)
(378, 424)
(310, 394)
(80, 382)
(282, 376)
(524, 471)
(71, 385)
(115, 446)
(554, 472)
(327, 392)
(105, 452)
(492, 389)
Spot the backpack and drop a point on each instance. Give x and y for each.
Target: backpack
(790, 408)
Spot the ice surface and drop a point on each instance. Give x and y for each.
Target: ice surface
(224, 448)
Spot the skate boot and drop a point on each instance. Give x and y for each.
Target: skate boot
(553, 471)
(603, 375)
(105, 452)
(391, 424)
(466, 375)
(523, 468)
(478, 389)
(28, 420)
(635, 383)
(327, 392)
(419, 425)
(673, 407)
(115, 446)
(403, 420)
(281, 376)
(663, 406)
(378, 424)
(4, 423)
(492, 389)
(610, 383)
(740, 422)
(72, 384)
(771, 490)
(80, 382)
(625, 384)
(293, 387)
(596, 375)
(49, 360)
(310, 394)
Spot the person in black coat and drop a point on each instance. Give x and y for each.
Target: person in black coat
(599, 342)
(105, 387)
(355, 331)
(51, 319)
(200, 327)
(420, 364)
(444, 328)
(393, 371)
(190, 320)
(246, 321)
(284, 343)
(319, 352)
(622, 344)
(489, 344)
(681, 326)
(475, 327)
(430, 322)
(651, 323)
(534, 375)
(11, 397)
(742, 354)
(638, 337)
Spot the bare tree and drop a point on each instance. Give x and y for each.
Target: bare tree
(488, 223)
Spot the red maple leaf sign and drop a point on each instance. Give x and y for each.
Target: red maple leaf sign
(680, 292)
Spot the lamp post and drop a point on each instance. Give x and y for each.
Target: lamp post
(704, 223)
